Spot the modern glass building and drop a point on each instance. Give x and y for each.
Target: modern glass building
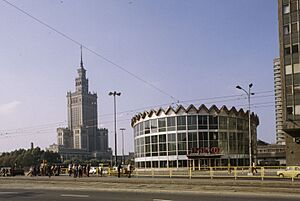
(196, 137)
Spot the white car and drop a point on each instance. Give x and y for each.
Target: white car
(290, 171)
(93, 170)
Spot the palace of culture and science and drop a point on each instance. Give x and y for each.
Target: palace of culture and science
(82, 138)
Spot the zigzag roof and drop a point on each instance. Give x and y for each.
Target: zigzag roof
(232, 111)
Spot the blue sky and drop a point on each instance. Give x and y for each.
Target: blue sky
(189, 49)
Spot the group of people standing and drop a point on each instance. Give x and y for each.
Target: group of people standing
(77, 170)
(44, 170)
(128, 170)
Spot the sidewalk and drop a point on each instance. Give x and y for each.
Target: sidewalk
(154, 185)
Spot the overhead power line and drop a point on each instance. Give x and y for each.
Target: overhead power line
(92, 51)
(127, 112)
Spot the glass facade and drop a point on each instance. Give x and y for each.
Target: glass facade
(177, 140)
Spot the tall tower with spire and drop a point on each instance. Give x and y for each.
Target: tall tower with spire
(82, 112)
(82, 134)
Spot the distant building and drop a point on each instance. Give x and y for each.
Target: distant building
(82, 136)
(196, 137)
(270, 154)
(280, 138)
(288, 16)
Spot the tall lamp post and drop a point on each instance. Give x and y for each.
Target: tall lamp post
(249, 122)
(115, 122)
(123, 156)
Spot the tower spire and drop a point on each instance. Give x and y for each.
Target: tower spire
(81, 62)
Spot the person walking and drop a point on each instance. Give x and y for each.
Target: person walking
(119, 170)
(129, 169)
(88, 167)
(254, 170)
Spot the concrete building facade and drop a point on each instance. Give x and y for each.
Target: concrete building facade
(289, 38)
(280, 138)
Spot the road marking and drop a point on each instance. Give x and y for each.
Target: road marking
(7, 193)
(74, 195)
(161, 200)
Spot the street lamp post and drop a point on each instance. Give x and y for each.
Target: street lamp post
(115, 121)
(123, 156)
(249, 122)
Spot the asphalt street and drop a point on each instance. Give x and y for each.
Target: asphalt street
(82, 195)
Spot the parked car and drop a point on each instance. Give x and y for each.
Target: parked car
(93, 170)
(290, 171)
(8, 171)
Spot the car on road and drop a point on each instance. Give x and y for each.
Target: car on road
(290, 171)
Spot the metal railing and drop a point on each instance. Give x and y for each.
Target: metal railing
(234, 172)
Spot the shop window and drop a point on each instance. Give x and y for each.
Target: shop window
(154, 164)
(172, 164)
(202, 121)
(171, 123)
(162, 125)
(213, 122)
(162, 164)
(162, 138)
(232, 123)
(153, 125)
(181, 123)
(147, 127)
(192, 122)
(223, 122)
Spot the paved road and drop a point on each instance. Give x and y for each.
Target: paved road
(82, 195)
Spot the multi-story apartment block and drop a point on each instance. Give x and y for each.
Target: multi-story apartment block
(289, 38)
(280, 138)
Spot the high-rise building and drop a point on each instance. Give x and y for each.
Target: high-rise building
(280, 139)
(289, 38)
(82, 132)
(82, 113)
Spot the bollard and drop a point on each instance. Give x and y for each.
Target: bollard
(190, 172)
(152, 173)
(211, 172)
(262, 169)
(235, 173)
(170, 173)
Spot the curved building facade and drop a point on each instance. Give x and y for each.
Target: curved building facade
(197, 137)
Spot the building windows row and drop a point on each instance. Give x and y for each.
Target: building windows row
(289, 69)
(189, 122)
(288, 50)
(183, 143)
(292, 7)
(291, 28)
